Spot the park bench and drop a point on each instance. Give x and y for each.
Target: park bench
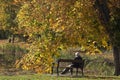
(81, 62)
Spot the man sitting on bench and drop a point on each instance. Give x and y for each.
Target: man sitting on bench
(74, 64)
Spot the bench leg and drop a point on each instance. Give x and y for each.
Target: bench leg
(58, 69)
(82, 72)
(52, 68)
(76, 71)
(71, 70)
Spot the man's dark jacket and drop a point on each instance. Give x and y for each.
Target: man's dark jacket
(75, 64)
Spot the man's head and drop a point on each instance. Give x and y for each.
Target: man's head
(77, 54)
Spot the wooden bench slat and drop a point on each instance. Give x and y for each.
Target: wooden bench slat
(69, 60)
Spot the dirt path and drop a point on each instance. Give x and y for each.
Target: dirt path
(3, 41)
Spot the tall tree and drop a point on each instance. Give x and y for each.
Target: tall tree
(109, 17)
(54, 25)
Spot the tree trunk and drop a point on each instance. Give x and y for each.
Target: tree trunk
(116, 60)
(104, 18)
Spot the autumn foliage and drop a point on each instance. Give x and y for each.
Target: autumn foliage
(53, 26)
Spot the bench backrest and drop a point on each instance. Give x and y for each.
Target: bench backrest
(81, 62)
(70, 60)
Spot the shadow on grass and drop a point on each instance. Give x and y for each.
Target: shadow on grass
(102, 77)
(94, 77)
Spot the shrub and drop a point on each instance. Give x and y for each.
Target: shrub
(99, 66)
(11, 52)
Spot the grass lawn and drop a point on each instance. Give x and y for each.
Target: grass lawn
(54, 77)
